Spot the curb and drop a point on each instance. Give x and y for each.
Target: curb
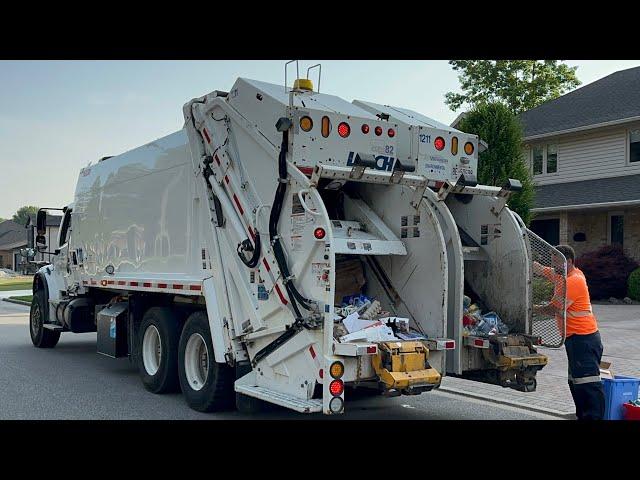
(546, 411)
(19, 302)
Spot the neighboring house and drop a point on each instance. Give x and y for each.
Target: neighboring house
(584, 153)
(14, 237)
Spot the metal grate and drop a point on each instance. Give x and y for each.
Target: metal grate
(548, 292)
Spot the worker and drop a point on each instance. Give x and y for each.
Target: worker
(583, 343)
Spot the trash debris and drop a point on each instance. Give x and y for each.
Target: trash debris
(606, 371)
(474, 322)
(361, 319)
(398, 324)
(354, 323)
(377, 333)
(466, 302)
(374, 309)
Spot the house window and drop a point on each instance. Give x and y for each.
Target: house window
(548, 230)
(616, 229)
(537, 160)
(545, 159)
(552, 158)
(634, 145)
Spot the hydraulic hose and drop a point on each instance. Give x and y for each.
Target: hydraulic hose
(294, 295)
(236, 224)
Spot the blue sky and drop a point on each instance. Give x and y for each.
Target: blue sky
(56, 116)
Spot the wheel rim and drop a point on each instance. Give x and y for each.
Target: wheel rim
(36, 320)
(151, 350)
(196, 361)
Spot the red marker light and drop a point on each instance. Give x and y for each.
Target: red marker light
(319, 233)
(391, 132)
(344, 130)
(336, 387)
(439, 143)
(365, 128)
(449, 345)
(378, 131)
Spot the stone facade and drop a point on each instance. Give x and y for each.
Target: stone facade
(595, 225)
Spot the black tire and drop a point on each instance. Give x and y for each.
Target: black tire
(40, 336)
(167, 324)
(244, 403)
(216, 391)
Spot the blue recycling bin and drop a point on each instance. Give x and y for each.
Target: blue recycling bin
(618, 392)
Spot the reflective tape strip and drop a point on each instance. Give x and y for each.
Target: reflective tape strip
(592, 379)
(579, 313)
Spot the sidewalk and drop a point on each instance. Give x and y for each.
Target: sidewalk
(14, 293)
(620, 330)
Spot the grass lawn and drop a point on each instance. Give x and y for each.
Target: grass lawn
(16, 283)
(24, 298)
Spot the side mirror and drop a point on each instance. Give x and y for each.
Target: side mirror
(41, 224)
(41, 241)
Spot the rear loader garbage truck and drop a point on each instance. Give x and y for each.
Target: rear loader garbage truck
(285, 244)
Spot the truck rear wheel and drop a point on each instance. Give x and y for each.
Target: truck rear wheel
(158, 350)
(40, 336)
(207, 386)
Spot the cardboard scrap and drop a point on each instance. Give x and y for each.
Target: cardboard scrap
(605, 371)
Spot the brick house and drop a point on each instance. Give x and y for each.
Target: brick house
(583, 150)
(14, 237)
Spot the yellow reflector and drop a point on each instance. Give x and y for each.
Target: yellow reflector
(306, 123)
(336, 370)
(468, 148)
(326, 127)
(454, 146)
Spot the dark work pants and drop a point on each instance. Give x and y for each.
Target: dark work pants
(584, 353)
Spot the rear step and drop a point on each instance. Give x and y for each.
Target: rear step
(279, 398)
(53, 327)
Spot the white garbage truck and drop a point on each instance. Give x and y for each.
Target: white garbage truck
(224, 259)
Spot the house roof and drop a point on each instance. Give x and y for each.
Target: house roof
(11, 233)
(588, 193)
(612, 99)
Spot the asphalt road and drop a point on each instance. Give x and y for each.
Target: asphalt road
(72, 381)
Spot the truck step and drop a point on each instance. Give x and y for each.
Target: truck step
(349, 238)
(279, 398)
(53, 327)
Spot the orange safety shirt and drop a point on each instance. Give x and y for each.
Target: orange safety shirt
(580, 317)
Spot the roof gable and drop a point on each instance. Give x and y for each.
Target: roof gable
(613, 98)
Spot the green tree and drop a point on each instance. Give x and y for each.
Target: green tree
(520, 84)
(23, 213)
(499, 127)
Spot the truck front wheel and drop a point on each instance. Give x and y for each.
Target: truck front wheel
(40, 336)
(207, 386)
(158, 350)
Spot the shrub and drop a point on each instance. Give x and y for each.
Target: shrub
(607, 270)
(542, 290)
(633, 290)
